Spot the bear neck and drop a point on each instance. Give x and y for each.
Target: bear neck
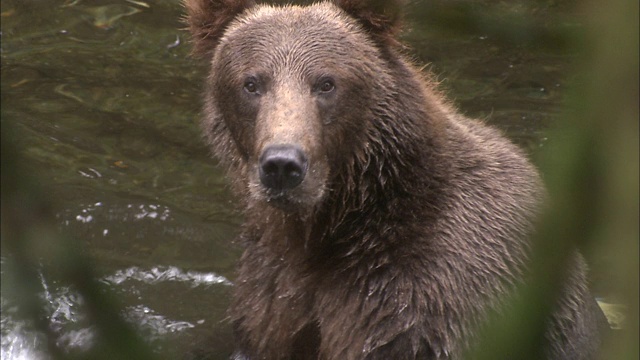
(388, 195)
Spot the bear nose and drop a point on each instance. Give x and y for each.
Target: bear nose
(282, 167)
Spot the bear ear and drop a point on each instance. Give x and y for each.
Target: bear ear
(208, 19)
(382, 18)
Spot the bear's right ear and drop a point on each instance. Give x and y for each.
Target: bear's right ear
(208, 19)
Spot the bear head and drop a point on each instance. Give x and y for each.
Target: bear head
(302, 98)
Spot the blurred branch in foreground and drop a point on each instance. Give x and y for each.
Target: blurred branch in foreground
(31, 241)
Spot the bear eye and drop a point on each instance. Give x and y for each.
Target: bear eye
(326, 85)
(251, 86)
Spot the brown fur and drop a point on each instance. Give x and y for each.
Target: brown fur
(207, 29)
(382, 18)
(411, 223)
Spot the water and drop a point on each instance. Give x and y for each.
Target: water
(105, 100)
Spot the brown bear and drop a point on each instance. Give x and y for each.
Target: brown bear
(380, 223)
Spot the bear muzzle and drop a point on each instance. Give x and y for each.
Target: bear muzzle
(282, 167)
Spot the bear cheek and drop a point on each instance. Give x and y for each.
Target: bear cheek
(347, 128)
(239, 119)
(243, 133)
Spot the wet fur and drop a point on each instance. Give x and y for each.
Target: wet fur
(413, 220)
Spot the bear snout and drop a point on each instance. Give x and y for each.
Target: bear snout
(282, 167)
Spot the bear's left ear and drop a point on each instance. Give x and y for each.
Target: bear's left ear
(208, 19)
(382, 18)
